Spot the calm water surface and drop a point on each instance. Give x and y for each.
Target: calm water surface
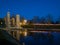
(41, 39)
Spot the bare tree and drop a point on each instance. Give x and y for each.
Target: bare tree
(49, 19)
(42, 20)
(36, 19)
(58, 20)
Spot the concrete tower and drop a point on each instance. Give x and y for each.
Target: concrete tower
(18, 25)
(17, 21)
(8, 19)
(13, 21)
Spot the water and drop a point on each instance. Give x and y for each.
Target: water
(41, 39)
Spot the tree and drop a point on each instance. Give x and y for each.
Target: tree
(42, 20)
(58, 20)
(36, 19)
(49, 19)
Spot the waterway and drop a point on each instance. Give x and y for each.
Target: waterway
(52, 38)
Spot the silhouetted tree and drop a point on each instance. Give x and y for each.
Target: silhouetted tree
(49, 19)
(58, 20)
(30, 22)
(36, 19)
(42, 20)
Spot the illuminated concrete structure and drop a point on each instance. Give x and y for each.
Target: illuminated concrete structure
(18, 25)
(24, 22)
(17, 21)
(8, 19)
(13, 21)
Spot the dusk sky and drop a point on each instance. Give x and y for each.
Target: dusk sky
(30, 8)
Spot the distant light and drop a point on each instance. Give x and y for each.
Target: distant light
(25, 21)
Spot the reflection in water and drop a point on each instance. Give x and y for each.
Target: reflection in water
(41, 39)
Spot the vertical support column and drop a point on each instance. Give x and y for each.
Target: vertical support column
(18, 26)
(8, 19)
(17, 21)
(13, 21)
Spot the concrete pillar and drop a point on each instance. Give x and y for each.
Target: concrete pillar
(13, 21)
(8, 19)
(18, 26)
(17, 21)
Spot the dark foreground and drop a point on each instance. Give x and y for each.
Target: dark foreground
(6, 39)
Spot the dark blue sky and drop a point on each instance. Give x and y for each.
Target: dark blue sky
(30, 8)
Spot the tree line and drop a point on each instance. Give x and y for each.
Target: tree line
(44, 20)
